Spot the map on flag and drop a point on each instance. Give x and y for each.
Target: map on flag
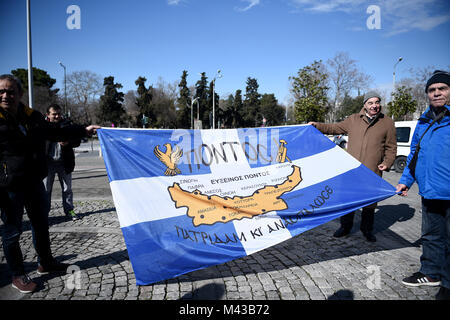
(189, 199)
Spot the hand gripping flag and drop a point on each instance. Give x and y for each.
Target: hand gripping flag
(189, 199)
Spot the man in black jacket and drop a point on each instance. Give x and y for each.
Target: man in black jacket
(23, 132)
(61, 162)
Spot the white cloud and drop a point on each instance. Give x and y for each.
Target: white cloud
(173, 2)
(327, 5)
(396, 16)
(251, 4)
(414, 15)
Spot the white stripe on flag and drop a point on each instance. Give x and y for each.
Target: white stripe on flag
(260, 236)
(211, 137)
(135, 204)
(318, 167)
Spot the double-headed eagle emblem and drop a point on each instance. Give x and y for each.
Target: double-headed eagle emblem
(169, 158)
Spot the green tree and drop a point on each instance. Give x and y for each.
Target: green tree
(40, 78)
(271, 110)
(227, 112)
(310, 92)
(43, 95)
(184, 103)
(144, 100)
(219, 114)
(349, 106)
(238, 109)
(110, 108)
(201, 92)
(402, 103)
(251, 114)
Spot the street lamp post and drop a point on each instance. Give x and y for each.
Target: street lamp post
(30, 61)
(218, 75)
(65, 88)
(192, 112)
(192, 115)
(393, 75)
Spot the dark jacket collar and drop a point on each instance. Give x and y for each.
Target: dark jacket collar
(362, 114)
(429, 114)
(23, 112)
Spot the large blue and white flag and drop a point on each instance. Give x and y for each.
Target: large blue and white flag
(189, 199)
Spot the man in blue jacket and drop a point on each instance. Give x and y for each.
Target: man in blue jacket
(432, 173)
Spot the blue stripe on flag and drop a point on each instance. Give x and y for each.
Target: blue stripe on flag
(261, 144)
(130, 153)
(170, 247)
(333, 198)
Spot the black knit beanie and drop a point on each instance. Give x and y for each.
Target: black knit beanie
(438, 77)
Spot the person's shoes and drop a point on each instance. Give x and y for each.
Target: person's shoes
(55, 267)
(419, 279)
(341, 232)
(24, 284)
(71, 214)
(443, 294)
(370, 237)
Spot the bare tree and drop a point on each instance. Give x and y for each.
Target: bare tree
(130, 106)
(42, 99)
(345, 76)
(84, 89)
(417, 82)
(169, 89)
(164, 100)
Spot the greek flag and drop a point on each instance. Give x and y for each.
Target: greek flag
(189, 199)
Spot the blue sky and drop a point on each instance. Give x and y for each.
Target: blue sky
(269, 40)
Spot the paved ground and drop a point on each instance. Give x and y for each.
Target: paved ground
(312, 266)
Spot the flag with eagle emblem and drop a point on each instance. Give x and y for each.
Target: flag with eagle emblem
(189, 199)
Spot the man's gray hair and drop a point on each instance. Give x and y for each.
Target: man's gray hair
(14, 79)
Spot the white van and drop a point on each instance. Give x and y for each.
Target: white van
(405, 131)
